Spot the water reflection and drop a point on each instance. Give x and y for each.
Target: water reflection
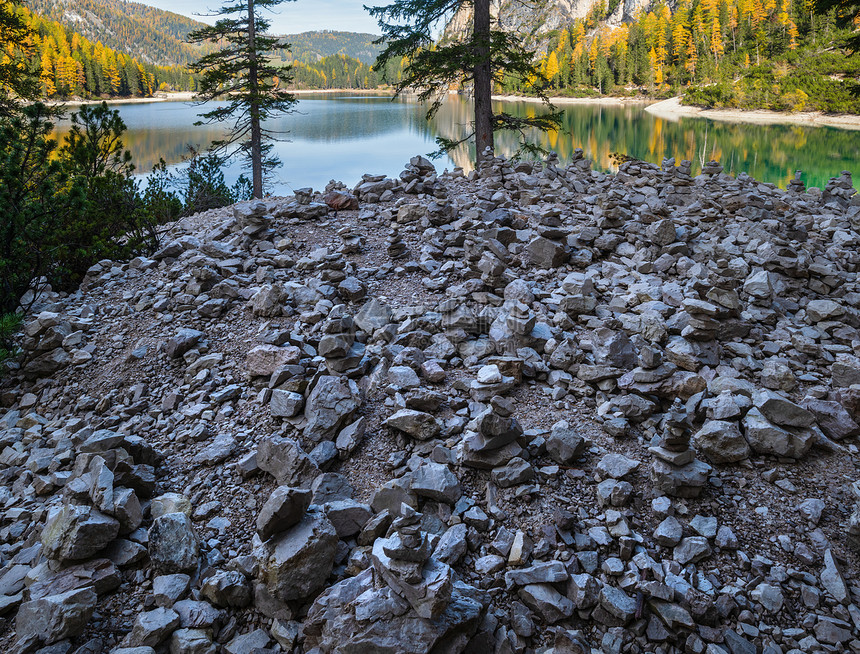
(341, 137)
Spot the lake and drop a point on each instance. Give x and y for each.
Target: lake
(342, 136)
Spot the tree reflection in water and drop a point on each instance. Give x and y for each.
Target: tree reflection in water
(343, 136)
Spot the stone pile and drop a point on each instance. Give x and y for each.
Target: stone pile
(476, 450)
(395, 246)
(495, 441)
(796, 185)
(675, 469)
(343, 354)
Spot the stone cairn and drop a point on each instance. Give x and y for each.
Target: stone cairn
(332, 268)
(676, 471)
(796, 185)
(712, 169)
(579, 162)
(343, 354)
(254, 221)
(396, 246)
(419, 176)
(839, 190)
(549, 249)
(352, 240)
(495, 442)
(404, 563)
(681, 190)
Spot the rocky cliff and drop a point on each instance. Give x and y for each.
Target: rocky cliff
(535, 20)
(534, 409)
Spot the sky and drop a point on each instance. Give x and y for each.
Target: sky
(292, 17)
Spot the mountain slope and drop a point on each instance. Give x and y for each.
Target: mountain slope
(309, 47)
(158, 37)
(149, 34)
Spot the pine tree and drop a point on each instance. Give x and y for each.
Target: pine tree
(242, 73)
(483, 56)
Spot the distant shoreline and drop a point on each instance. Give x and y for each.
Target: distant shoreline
(673, 110)
(188, 96)
(605, 99)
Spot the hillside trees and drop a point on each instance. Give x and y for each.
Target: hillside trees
(250, 86)
(483, 57)
(777, 54)
(16, 80)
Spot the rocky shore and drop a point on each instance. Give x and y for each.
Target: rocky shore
(532, 409)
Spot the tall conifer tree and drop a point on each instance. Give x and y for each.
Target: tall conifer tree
(252, 88)
(484, 56)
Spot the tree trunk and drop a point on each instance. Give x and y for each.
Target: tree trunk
(254, 108)
(482, 78)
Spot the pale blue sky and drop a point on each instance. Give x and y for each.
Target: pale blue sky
(293, 17)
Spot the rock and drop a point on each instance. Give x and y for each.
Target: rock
(348, 516)
(616, 466)
(546, 253)
(766, 438)
(832, 581)
(721, 442)
(782, 411)
(547, 602)
(226, 588)
(833, 419)
(169, 589)
(417, 424)
(285, 404)
(811, 509)
(373, 315)
(550, 572)
(191, 641)
(330, 407)
(284, 459)
(436, 481)
(669, 532)
(217, 451)
(565, 444)
(691, 549)
(153, 627)
(264, 360)
(172, 544)
(617, 603)
(514, 472)
(285, 507)
(296, 564)
(74, 532)
(184, 340)
(337, 621)
(56, 617)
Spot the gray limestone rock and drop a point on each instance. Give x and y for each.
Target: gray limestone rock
(436, 481)
(284, 459)
(172, 543)
(296, 564)
(56, 617)
(151, 628)
(417, 424)
(74, 532)
(284, 508)
(721, 441)
(330, 407)
(565, 444)
(547, 602)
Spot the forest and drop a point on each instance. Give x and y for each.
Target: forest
(68, 64)
(775, 54)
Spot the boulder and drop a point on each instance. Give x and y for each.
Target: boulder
(75, 532)
(172, 543)
(330, 407)
(297, 563)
